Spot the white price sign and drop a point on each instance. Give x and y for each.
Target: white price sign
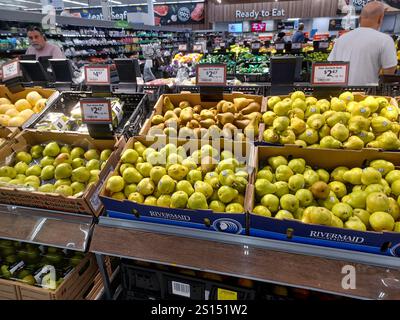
(330, 73)
(182, 47)
(222, 44)
(97, 75)
(197, 47)
(279, 46)
(10, 70)
(323, 45)
(255, 45)
(211, 75)
(96, 111)
(296, 46)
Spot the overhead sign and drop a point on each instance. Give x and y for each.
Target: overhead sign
(96, 111)
(258, 27)
(330, 73)
(255, 14)
(211, 74)
(10, 70)
(97, 75)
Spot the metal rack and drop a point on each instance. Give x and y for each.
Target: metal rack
(297, 265)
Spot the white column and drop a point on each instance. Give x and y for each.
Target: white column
(150, 12)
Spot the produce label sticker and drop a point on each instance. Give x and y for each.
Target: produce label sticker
(97, 75)
(182, 47)
(181, 289)
(336, 73)
(279, 46)
(211, 74)
(10, 70)
(223, 294)
(96, 111)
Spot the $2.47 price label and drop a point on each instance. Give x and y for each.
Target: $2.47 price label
(211, 74)
(336, 73)
(96, 111)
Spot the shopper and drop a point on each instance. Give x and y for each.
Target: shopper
(299, 34)
(39, 45)
(280, 37)
(368, 51)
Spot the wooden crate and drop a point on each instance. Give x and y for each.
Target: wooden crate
(74, 286)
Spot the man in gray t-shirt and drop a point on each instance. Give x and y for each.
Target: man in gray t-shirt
(40, 47)
(368, 50)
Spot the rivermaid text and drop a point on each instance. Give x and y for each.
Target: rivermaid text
(259, 14)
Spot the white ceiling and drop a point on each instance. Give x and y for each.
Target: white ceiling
(36, 4)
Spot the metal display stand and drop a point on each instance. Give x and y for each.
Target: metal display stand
(293, 264)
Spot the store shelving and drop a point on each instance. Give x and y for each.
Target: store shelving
(297, 265)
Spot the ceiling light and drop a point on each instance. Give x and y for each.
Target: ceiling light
(76, 2)
(12, 5)
(26, 1)
(116, 2)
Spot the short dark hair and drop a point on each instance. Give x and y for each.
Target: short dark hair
(36, 28)
(301, 26)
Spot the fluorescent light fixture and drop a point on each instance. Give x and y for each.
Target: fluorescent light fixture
(76, 2)
(12, 5)
(116, 2)
(26, 1)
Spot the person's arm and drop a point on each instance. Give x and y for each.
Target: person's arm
(389, 57)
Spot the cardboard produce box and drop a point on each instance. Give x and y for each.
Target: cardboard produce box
(200, 219)
(195, 99)
(6, 134)
(357, 97)
(385, 243)
(49, 94)
(88, 203)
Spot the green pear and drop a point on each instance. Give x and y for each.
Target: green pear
(136, 197)
(212, 179)
(189, 163)
(263, 187)
(77, 163)
(226, 154)
(36, 151)
(383, 166)
(81, 175)
(105, 154)
(156, 173)
(77, 187)
(164, 201)
(62, 158)
(147, 152)
(272, 101)
(280, 124)
(155, 158)
(261, 211)
(185, 186)
(370, 176)
(394, 209)
(284, 214)
(271, 202)
(275, 162)
(226, 177)
(51, 150)
(329, 202)
(296, 182)
(77, 152)
(392, 176)
(217, 206)
(317, 215)
(355, 223)
(7, 171)
(21, 167)
(24, 157)
(34, 170)
(342, 211)
(47, 161)
(310, 177)
(93, 164)
(150, 201)
(381, 221)
(63, 171)
(144, 169)
(305, 197)
(374, 188)
(226, 194)
(396, 188)
(339, 188)
(377, 201)
(315, 121)
(64, 190)
(94, 176)
(337, 174)
(353, 176)
(115, 184)
(130, 188)
(227, 164)
(177, 171)
(32, 184)
(166, 185)
(139, 147)
(7, 179)
(47, 173)
(289, 202)
(363, 215)
(146, 187)
(357, 199)
(62, 182)
(265, 174)
(396, 227)
(330, 143)
(179, 199)
(297, 165)
(197, 201)
(353, 143)
(116, 195)
(92, 154)
(131, 175)
(234, 208)
(283, 173)
(282, 188)
(46, 188)
(336, 222)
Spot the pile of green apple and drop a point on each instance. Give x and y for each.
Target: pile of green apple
(52, 168)
(21, 262)
(338, 123)
(207, 179)
(359, 199)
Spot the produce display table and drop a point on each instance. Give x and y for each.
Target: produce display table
(297, 265)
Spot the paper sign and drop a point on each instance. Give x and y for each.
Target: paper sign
(197, 47)
(222, 44)
(10, 70)
(330, 73)
(255, 45)
(279, 46)
(96, 111)
(211, 75)
(182, 47)
(323, 45)
(99, 75)
(296, 46)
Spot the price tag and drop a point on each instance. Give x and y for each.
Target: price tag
(211, 74)
(96, 111)
(279, 46)
(197, 47)
(182, 47)
(10, 70)
(323, 45)
(296, 46)
(255, 46)
(222, 44)
(330, 73)
(99, 75)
